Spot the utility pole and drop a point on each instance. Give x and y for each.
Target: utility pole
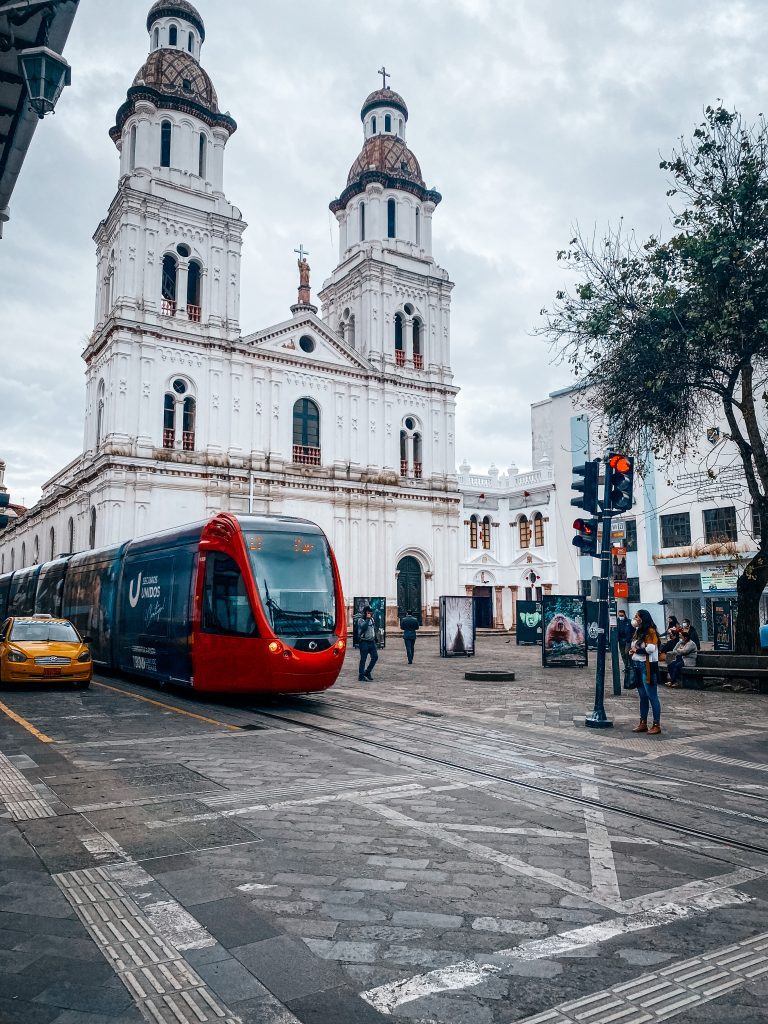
(599, 719)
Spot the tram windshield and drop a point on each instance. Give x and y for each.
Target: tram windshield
(295, 581)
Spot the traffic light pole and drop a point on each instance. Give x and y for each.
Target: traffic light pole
(598, 719)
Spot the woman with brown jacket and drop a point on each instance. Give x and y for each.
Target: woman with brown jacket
(645, 666)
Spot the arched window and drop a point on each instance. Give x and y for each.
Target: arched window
(538, 530)
(109, 285)
(51, 544)
(417, 463)
(173, 35)
(373, 126)
(99, 414)
(400, 127)
(362, 222)
(132, 149)
(410, 448)
(165, 144)
(202, 154)
(403, 453)
(387, 122)
(191, 43)
(524, 532)
(188, 424)
(193, 291)
(351, 331)
(169, 421)
(36, 551)
(306, 432)
(473, 532)
(486, 532)
(399, 350)
(391, 219)
(170, 272)
(156, 38)
(418, 357)
(2, 563)
(13, 560)
(23, 555)
(92, 530)
(70, 535)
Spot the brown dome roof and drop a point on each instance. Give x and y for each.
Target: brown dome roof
(389, 155)
(177, 8)
(177, 73)
(384, 98)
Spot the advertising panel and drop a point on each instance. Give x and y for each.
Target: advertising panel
(529, 629)
(457, 627)
(592, 613)
(723, 614)
(719, 577)
(564, 622)
(378, 606)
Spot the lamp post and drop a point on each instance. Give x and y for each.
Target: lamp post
(45, 74)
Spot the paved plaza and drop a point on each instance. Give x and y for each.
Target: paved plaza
(418, 849)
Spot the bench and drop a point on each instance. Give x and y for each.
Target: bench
(721, 665)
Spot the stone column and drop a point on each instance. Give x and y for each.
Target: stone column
(514, 607)
(182, 279)
(498, 619)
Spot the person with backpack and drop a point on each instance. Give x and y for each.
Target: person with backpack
(409, 624)
(644, 651)
(366, 633)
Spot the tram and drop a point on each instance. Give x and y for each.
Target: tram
(236, 604)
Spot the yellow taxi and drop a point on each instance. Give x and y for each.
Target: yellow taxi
(41, 649)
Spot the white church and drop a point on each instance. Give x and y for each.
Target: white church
(345, 417)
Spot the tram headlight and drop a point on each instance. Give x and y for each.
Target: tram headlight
(275, 646)
(341, 644)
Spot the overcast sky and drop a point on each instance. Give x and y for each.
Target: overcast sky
(530, 116)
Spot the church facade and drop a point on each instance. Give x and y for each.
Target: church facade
(345, 416)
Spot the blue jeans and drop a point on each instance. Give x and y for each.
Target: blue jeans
(675, 669)
(367, 650)
(648, 692)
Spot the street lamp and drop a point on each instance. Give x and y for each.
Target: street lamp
(45, 74)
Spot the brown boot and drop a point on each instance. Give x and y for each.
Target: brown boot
(655, 729)
(642, 726)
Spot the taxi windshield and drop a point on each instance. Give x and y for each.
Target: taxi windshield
(295, 581)
(32, 632)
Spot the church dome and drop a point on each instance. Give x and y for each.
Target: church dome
(384, 98)
(389, 155)
(176, 9)
(177, 73)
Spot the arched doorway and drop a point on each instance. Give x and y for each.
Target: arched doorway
(409, 587)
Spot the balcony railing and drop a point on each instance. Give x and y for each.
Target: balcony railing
(194, 312)
(188, 440)
(168, 437)
(403, 467)
(306, 455)
(418, 361)
(400, 357)
(168, 307)
(417, 470)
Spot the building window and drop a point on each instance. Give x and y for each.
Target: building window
(633, 588)
(473, 532)
(362, 222)
(418, 227)
(417, 463)
(100, 414)
(399, 350)
(194, 281)
(165, 144)
(720, 525)
(170, 272)
(756, 524)
(71, 535)
(156, 38)
(173, 35)
(387, 122)
(373, 126)
(403, 453)
(306, 432)
(169, 421)
(485, 532)
(676, 530)
(400, 127)
(189, 413)
(418, 356)
(51, 544)
(191, 43)
(36, 551)
(132, 149)
(92, 530)
(391, 219)
(23, 555)
(411, 448)
(307, 344)
(524, 532)
(202, 153)
(13, 560)
(630, 538)
(538, 530)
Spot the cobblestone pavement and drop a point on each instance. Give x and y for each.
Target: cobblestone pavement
(419, 849)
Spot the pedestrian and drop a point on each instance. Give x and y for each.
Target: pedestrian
(624, 636)
(683, 656)
(644, 650)
(366, 633)
(692, 634)
(409, 624)
(672, 634)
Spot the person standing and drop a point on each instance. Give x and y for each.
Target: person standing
(624, 637)
(644, 650)
(409, 624)
(366, 633)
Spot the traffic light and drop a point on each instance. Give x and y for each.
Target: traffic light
(586, 538)
(585, 480)
(4, 501)
(622, 470)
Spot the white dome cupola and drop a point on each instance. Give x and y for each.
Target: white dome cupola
(177, 25)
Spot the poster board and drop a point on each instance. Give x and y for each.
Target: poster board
(593, 610)
(378, 606)
(723, 616)
(529, 631)
(564, 619)
(457, 627)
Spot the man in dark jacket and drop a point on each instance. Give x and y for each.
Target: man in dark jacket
(409, 624)
(623, 635)
(366, 632)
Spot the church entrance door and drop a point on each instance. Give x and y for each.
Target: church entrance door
(483, 601)
(409, 587)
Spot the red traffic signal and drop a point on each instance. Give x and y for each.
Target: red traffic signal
(621, 471)
(586, 538)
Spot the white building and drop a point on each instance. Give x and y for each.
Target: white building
(688, 534)
(345, 418)
(509, 550)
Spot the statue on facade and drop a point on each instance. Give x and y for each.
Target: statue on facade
(304, 269)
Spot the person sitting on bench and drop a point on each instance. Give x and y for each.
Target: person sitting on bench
(683, 655)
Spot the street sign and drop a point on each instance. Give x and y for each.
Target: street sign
(621, 589)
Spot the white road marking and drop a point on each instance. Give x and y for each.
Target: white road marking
(694, 890)
(602, 866)
(665, 993)
(542, 833)
(467, 973)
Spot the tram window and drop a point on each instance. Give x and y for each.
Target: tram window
(226, 608)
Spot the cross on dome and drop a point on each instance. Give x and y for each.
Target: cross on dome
(384, 76)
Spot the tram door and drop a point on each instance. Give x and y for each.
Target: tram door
(409, 587)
